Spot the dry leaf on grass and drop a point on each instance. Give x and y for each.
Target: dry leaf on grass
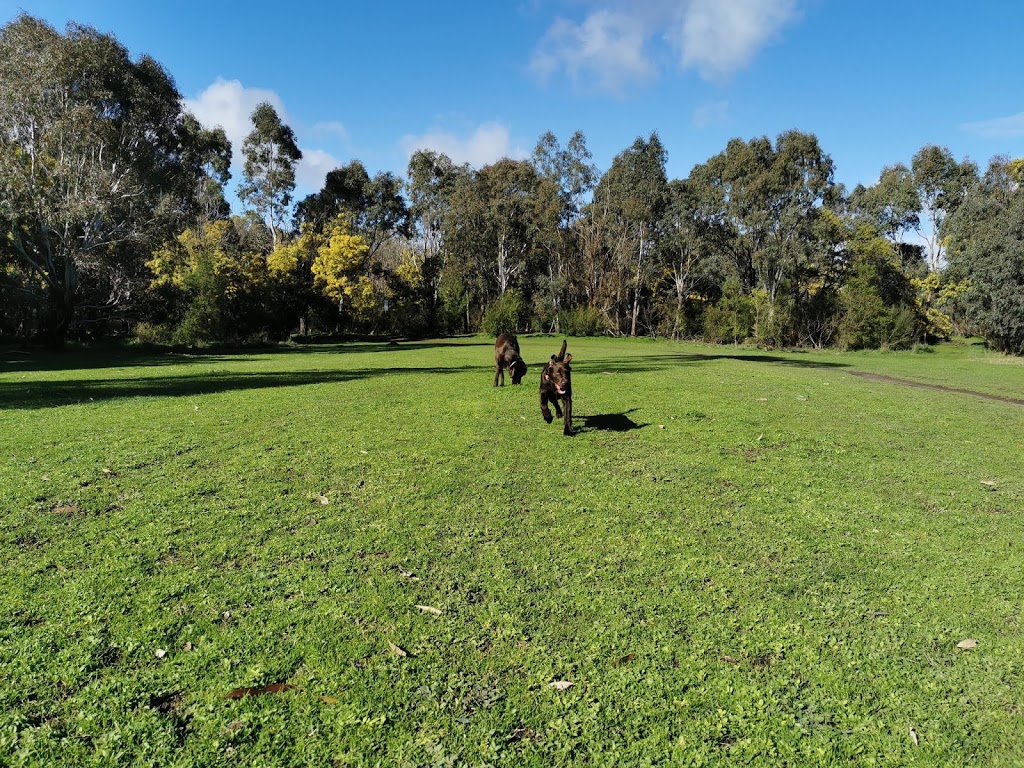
(730, 659)
(561, 685)
(397, 650)
(329, 700)
(322, 499)
(159, 653)
(967, 644)
(408, 574)
(913, 736)
(989, 484)
(429, 609)
(624, 660)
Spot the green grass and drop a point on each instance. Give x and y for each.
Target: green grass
(742, 558)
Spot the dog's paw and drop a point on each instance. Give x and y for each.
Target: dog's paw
(547, 416)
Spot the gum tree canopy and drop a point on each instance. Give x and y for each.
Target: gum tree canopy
(95, 152)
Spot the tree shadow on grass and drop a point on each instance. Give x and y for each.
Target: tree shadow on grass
(644, 363)
(611, 422)
(52, 393)
(14, 360)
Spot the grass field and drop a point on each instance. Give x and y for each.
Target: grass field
(743, 558)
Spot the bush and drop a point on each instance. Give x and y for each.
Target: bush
(503, 315)
(152, 333)
(731, 320)
(772, 320)
(867, 321)
(582, 321)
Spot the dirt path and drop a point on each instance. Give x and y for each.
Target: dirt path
(939, 387)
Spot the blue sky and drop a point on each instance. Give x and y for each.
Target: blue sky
(478, 80)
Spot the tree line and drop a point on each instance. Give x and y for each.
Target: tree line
(114, 222)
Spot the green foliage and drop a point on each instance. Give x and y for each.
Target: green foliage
(987, 250)
(502, 316)
(772, 319)
(152, 333)
(103, 177)
(268, 177)
(731, 319)
(97, 162)
(867, 321)
(582, 321)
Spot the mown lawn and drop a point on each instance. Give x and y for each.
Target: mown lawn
(742, 558)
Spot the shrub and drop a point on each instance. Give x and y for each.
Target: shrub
(502, 316)
(731, 320)
(152, 333)
(582, 321)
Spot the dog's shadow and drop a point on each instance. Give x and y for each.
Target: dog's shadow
(611, 422)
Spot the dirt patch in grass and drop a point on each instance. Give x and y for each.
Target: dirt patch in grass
(937, 387)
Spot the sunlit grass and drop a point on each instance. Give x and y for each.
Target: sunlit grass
(743, 557)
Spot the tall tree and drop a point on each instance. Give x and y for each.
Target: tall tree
(374, 207)
(892, 204)
(761, 204)
(567, 177)
(941, 185)
(432, 179)
(268, 176)
(689, 262)
(95, 153)
(635, 189)
(987, 248)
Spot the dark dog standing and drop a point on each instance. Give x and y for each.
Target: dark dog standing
(555, 385)
(506, 355)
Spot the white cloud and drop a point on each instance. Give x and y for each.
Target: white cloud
(313, 168)
(488, 143)
(605, 52)
(229, 105)
(719, 38)
(715, 113)
(615, 46)
(1011, 126)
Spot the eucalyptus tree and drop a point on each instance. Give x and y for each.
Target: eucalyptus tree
(892, 204)
(268, 176)
(431, 181)
(635, 191)
(986, 246)
(374, 206)
(95, 154)
(941, 184)
(761, 204)
(567, 177)
(689, 263)
(508, 189)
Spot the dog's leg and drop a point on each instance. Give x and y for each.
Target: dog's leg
(499, 369)
(567, 428)
(544, 410)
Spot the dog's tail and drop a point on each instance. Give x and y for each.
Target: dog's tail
(561, 353)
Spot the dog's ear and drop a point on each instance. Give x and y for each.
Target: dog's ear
(554, 359)
(568, 358)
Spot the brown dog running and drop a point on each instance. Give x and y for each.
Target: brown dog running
(506, 355)
(555, 385)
